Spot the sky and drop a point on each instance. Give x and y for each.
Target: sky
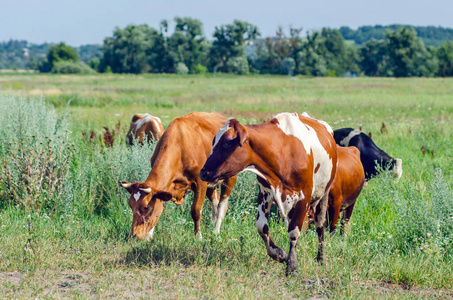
(79, 22)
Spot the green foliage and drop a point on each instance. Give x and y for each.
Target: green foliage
(431, 35)
(238, 65)
(407, 54)
(445, 56)
(229, 41)
(58, 53)
(94, 63)
(425, 219)
(181, 68)
(125, 52)
(186, 44)
(35, 151)
(200, 69)
(70, 67)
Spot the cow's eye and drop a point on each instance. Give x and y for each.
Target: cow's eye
(227, 144)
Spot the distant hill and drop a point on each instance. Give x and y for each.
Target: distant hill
(431, 35)
(15, 54)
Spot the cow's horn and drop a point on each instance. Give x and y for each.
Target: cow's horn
(126, 185)
(147, 190)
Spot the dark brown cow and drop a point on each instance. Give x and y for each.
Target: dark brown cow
(295, 160)
(176, 164)
(144, 125)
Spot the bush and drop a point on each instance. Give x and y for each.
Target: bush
(200, 69)
(35, 153)
(181, 68)
(425, 220)
(238, 65)
(70, 67)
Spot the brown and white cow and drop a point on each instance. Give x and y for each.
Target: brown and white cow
(295, 160)
(144, 125)
(176, 164)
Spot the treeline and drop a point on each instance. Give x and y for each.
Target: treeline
(238, 48)
(15, 54)
(142, 49)
(431, 35)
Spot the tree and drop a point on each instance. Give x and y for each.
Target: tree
(373, 57)
(186, 44)
(126, 51)
(407, 54)
(229, 42)
(58, 53)
(445, 56)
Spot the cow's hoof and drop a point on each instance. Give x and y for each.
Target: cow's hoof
(291, 273)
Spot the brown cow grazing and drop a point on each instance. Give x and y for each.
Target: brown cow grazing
(346, 187)
(176, 164)
(144, 125)
(295, 160)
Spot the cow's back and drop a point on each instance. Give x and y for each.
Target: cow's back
(187, 141)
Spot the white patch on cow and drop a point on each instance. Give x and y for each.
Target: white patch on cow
(398, 168)
(146, 118)
(222, 208)
(294, 233)
(150, 234)
(345, 142)
(137, 196)
(220, 133)
(254, 171)
(290, 124)
(329, 129)
(156, 124)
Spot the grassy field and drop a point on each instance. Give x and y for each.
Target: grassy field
(77, 244)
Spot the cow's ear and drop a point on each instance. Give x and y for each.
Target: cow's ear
(164, 196)
(241, 133)
(129, 186)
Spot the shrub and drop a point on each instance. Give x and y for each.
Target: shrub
(425, 220)
(181, 68)
(238, 65)
(200, 69)
(35, 153)
(70, 67)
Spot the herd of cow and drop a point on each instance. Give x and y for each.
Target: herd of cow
(301, 164)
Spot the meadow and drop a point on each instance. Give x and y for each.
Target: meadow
(68, 236)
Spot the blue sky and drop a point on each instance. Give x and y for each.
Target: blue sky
(79, 22)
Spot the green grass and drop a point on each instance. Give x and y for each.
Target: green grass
(399, 244)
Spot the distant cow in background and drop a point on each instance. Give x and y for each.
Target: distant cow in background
(144, 125)
(371, 156)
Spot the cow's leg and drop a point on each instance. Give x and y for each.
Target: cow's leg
(214, 197)
(262, 225)
(296, 217)
(346, 216)
(197, 205)
(320, 223)
(334, 213)
(225, 191)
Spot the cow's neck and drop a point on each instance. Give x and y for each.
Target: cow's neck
(166, 170)
(265, 154)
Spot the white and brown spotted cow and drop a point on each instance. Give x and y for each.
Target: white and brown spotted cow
(176, 164)
(295, 160)
(144, 125)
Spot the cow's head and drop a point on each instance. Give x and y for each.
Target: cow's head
(230, 153)
(147, 206)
